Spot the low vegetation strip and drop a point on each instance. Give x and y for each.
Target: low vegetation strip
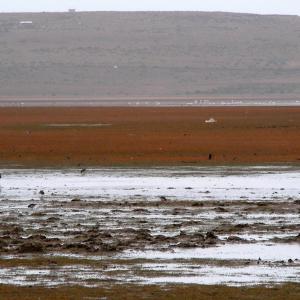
(165, 292)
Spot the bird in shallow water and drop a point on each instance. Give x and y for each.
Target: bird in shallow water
(31, 205)
(163, 198)
(83, 171)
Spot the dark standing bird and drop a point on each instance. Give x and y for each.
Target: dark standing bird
(83, 171)
(42, 193)
(210, 156)
(259, 261)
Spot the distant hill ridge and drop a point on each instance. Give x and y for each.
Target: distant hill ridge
(149, 54)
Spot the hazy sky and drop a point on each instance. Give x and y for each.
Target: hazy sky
(252, 6)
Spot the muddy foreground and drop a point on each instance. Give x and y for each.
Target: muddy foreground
(128, 292)
(168, 234)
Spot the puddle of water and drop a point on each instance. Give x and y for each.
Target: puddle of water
(188, 273)
(232, 276)
(269, 252)
(262, 236)
(76, 125)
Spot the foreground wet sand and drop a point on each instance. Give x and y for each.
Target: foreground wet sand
(148, 136)
(119, 292)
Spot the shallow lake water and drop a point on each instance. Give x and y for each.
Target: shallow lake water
(202, 183)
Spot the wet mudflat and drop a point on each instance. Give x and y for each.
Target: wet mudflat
(148, 136)
(212, 225)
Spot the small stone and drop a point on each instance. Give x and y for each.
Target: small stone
(30, 248)
(75, 200)
(211, 235)
(234, 239)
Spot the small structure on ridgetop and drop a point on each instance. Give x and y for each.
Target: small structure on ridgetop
(26, 24)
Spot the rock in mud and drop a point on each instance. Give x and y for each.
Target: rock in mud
(211, 238)
(37, 237)
(182, 233)
(38, 214)
(78, 246)
(199, 236)
(231, 228)
(105, 234)
(210, 235)
(144, 234)
(192, 223)
(110, 247)
(234, 238)
(53, 219)
(16, 230)
(30, 247)
(161, 238)
(174, 225)
(292, 239)
(187, 245)
(197, 204)
(178, 211)
(220, 209)
(141, 210)
(75, 200)
(3, 243)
